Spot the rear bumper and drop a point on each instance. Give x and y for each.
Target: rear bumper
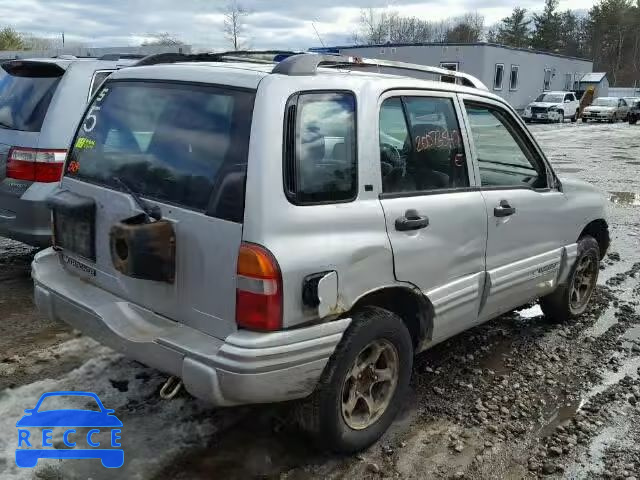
(26, 218)
(246, 367)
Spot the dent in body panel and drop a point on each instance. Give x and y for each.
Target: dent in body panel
(455, 307)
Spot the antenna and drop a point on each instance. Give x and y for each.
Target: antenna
(319, 38)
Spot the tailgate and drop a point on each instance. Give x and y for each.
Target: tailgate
(177, 149)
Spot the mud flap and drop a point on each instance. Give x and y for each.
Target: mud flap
(143, 249)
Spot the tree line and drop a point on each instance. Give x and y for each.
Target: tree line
(609, 33)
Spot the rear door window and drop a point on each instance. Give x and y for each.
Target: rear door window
(176, 143)
(421, 146)
(26, 90)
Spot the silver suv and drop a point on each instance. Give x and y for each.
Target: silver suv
(269, 232)
(41, 102)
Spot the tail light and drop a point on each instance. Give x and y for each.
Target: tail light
(35, 165)
(258, 289)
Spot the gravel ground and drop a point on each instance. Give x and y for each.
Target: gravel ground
(515, 398)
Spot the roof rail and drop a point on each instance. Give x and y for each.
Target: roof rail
(251, 56)
(114, 57)
(308, 63)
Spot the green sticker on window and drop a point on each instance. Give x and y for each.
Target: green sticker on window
(85, 143)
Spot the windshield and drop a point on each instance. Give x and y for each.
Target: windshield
(26, 89)
(550, 98)
(175, 143)
(605, 102)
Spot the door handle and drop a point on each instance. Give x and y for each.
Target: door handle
(504, 210)
(412, 220)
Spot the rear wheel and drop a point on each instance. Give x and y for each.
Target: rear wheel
(584, 120)
(363, 384)
(572, 299)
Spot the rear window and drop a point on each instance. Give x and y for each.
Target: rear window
(181, 144)
(26, 90)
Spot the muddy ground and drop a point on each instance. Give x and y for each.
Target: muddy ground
(515, 398)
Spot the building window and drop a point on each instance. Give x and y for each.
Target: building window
(547, 80)
(498, 77)
(453, 66)
(382, 51)
(568, 81)
(513, 79)
(393, 50)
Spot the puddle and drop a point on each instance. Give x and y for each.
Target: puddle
(495, 361)
(633, 334)
(603, 323)
(569, 170)
(624, 198)
(557, 415)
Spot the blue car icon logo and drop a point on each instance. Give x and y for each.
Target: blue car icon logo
(37, 428)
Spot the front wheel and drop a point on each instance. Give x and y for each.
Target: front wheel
(560, 117)
(584, 120)
(572, 299)
(363, 384)
(574, 119)
(632, 120)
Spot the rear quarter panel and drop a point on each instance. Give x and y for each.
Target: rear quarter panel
(349, 238)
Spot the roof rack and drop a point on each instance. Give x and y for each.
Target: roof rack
(308, 63)
(251, 56)
(114, 57)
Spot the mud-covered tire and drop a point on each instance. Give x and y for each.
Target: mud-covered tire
(561, 116)
(321, 415)
(585, 120)
(632, 120)
(574, 119)
(558, 306)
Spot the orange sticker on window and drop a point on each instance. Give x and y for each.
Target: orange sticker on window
(73, 167)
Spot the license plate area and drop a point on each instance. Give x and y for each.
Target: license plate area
(73, 223)
(76, 235)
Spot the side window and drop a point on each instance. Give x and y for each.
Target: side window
(420, 146)
(98, 78)
(320, 148)
(504, 157)
(568, 98)
(498, 77)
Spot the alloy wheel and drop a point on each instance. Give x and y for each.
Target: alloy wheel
(584, 282)
(370, 384)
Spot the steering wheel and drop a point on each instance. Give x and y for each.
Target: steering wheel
(393, 154)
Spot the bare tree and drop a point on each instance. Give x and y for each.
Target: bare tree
(234, 16)
(162, 38)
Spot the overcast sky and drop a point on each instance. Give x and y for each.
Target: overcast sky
(272, 23)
